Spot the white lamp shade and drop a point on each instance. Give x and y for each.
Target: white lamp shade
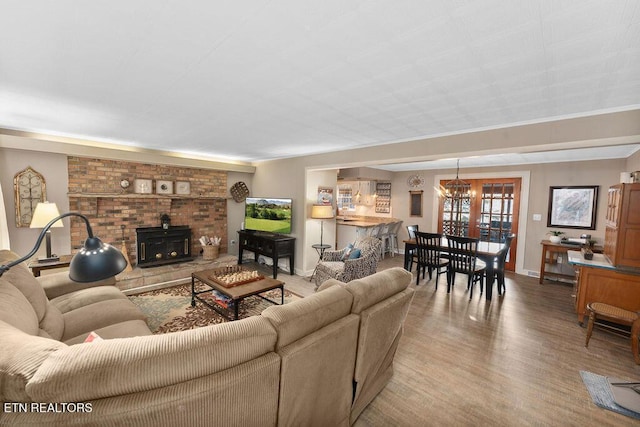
(321, 211)
(44, 213)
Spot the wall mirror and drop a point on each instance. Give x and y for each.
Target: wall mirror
(30, 189)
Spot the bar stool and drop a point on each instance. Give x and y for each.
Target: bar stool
(617, 315)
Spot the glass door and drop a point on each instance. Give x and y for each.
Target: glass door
(488, 210)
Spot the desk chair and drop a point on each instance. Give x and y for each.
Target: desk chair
(463, 258)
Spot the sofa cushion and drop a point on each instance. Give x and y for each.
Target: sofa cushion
(49, 319)
(74, 300)
(127, 329)
(130, 365)
(377, 287)
(99, 315)
(20, 277)
(56, 284)
(302, 317)
(20, 357)
(16, 310)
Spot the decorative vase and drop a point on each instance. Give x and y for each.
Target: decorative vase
(555, 239)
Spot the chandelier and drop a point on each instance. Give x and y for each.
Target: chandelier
(457, 189)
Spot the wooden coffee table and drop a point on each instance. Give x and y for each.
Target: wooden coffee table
(236, 293)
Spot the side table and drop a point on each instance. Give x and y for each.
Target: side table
(320, 250)
(36, 267)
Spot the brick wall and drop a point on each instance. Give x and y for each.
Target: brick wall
(94, 190)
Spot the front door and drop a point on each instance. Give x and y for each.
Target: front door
(488, 210)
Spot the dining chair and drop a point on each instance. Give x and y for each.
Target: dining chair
(463, 258)
(429, 249)
(500, 261)
(413, 255)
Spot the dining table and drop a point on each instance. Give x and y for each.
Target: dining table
(487, 252)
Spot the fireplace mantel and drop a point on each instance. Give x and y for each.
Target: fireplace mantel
(143, 196)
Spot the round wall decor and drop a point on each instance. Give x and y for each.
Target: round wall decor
(239, 191)
(415, 181)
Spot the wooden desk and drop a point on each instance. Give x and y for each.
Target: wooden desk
(36, 267)
(550, 253)
(487, 252)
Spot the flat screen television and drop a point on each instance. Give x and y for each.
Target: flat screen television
(272, 215)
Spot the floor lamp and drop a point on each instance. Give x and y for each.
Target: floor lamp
(95, 261)
(321, 212)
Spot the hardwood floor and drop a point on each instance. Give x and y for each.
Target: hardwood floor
(513, 361)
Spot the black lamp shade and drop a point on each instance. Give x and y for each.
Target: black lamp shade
(96, 261)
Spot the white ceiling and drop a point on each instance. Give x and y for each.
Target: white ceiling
(256, 79)
(573, 155)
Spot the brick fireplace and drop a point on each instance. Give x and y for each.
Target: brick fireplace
(94, 190)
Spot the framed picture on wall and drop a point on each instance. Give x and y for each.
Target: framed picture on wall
(573, 207)
(325, 196)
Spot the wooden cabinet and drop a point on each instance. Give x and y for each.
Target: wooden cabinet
(622, 233)
(274, 246)
(614, 287)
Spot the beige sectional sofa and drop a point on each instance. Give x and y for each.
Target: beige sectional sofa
(316, 361)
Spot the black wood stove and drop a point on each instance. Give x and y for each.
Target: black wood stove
(160, 245)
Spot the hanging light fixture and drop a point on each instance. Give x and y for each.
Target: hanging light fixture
(456, 189)
(456, 193)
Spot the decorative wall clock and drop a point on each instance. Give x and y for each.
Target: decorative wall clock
(415, 181)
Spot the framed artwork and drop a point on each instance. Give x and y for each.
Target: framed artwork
(164, 187)
(573, 207)
(30, 189)
(183, 187)
(142, 186)
(325, 196)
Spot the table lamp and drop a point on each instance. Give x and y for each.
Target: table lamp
(43, 214)
(321, 212)
(95, 261)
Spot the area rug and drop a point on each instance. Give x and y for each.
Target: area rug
(600, 392)
(169, 309)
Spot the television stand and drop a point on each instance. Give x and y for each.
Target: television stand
(274, 246)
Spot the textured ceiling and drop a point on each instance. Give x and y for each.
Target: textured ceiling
(257, 79)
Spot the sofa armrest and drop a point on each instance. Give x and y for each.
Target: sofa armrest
(57, 284)
(130, 365)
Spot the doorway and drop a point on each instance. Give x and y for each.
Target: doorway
(488, 209)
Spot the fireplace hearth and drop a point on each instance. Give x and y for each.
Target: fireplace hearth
(159, 246)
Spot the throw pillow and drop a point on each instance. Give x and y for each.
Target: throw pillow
(93, 337)
(346, 252)
(354, 254)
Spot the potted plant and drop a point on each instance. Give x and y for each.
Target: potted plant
(555, 236)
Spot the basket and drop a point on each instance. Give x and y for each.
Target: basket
(210, 252)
